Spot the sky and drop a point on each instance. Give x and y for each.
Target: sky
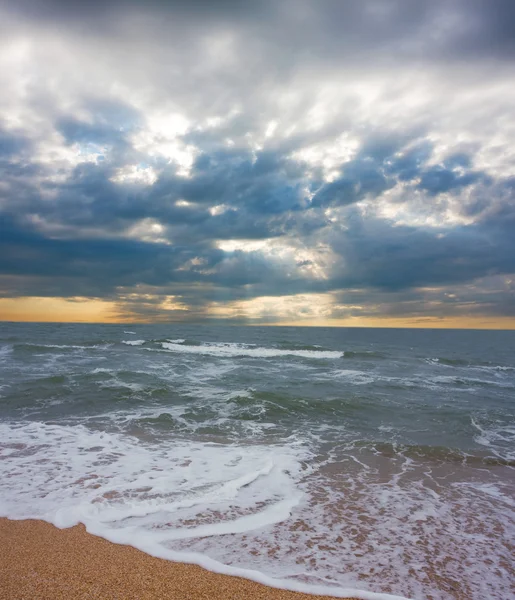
(300, 162)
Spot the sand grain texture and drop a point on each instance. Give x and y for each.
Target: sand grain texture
(39, 561)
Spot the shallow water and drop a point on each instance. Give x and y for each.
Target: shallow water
(379, 460)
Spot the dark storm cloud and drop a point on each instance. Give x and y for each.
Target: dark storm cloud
(440, 179)
(100, 9)
(323, 29)
(261, 182)
(100, 266)
(257, 201)
(377, 169)
(488, 297)
(12, 144)
(26, 252)
(377, 254)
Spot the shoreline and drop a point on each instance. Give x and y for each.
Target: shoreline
(41, 562)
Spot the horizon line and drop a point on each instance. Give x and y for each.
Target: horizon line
(239, 324)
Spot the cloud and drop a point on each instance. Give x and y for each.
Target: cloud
(323, 29)
(219, 153)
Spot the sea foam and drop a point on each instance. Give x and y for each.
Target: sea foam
(155, 498)
(133, 342)
(262, 512)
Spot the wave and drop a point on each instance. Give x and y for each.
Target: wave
(364, 354)
(466, 381)
(355, 377)
(370, 354)
(436, 454)
(245, 350)
(448, 362)
(5, 351)
(233, 349)
(497, 437)
(297, 346)
(460, 362)
(45, 347)
(498, 368)
(103, 370)
(237, 414)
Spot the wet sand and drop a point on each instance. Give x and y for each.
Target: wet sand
(39, 561)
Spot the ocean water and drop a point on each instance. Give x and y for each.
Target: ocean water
(379, 461)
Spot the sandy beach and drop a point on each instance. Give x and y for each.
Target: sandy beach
(39, 561)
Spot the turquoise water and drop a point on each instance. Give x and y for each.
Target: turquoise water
(365, 459)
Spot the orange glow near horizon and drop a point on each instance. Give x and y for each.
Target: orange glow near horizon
(56, 310)
(466, 322)
(87, 310)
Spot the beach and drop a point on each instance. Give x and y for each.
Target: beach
(39, 561)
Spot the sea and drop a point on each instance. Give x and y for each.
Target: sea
(373, 462)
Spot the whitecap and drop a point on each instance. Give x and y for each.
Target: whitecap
(234, 350)
(5, 351)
